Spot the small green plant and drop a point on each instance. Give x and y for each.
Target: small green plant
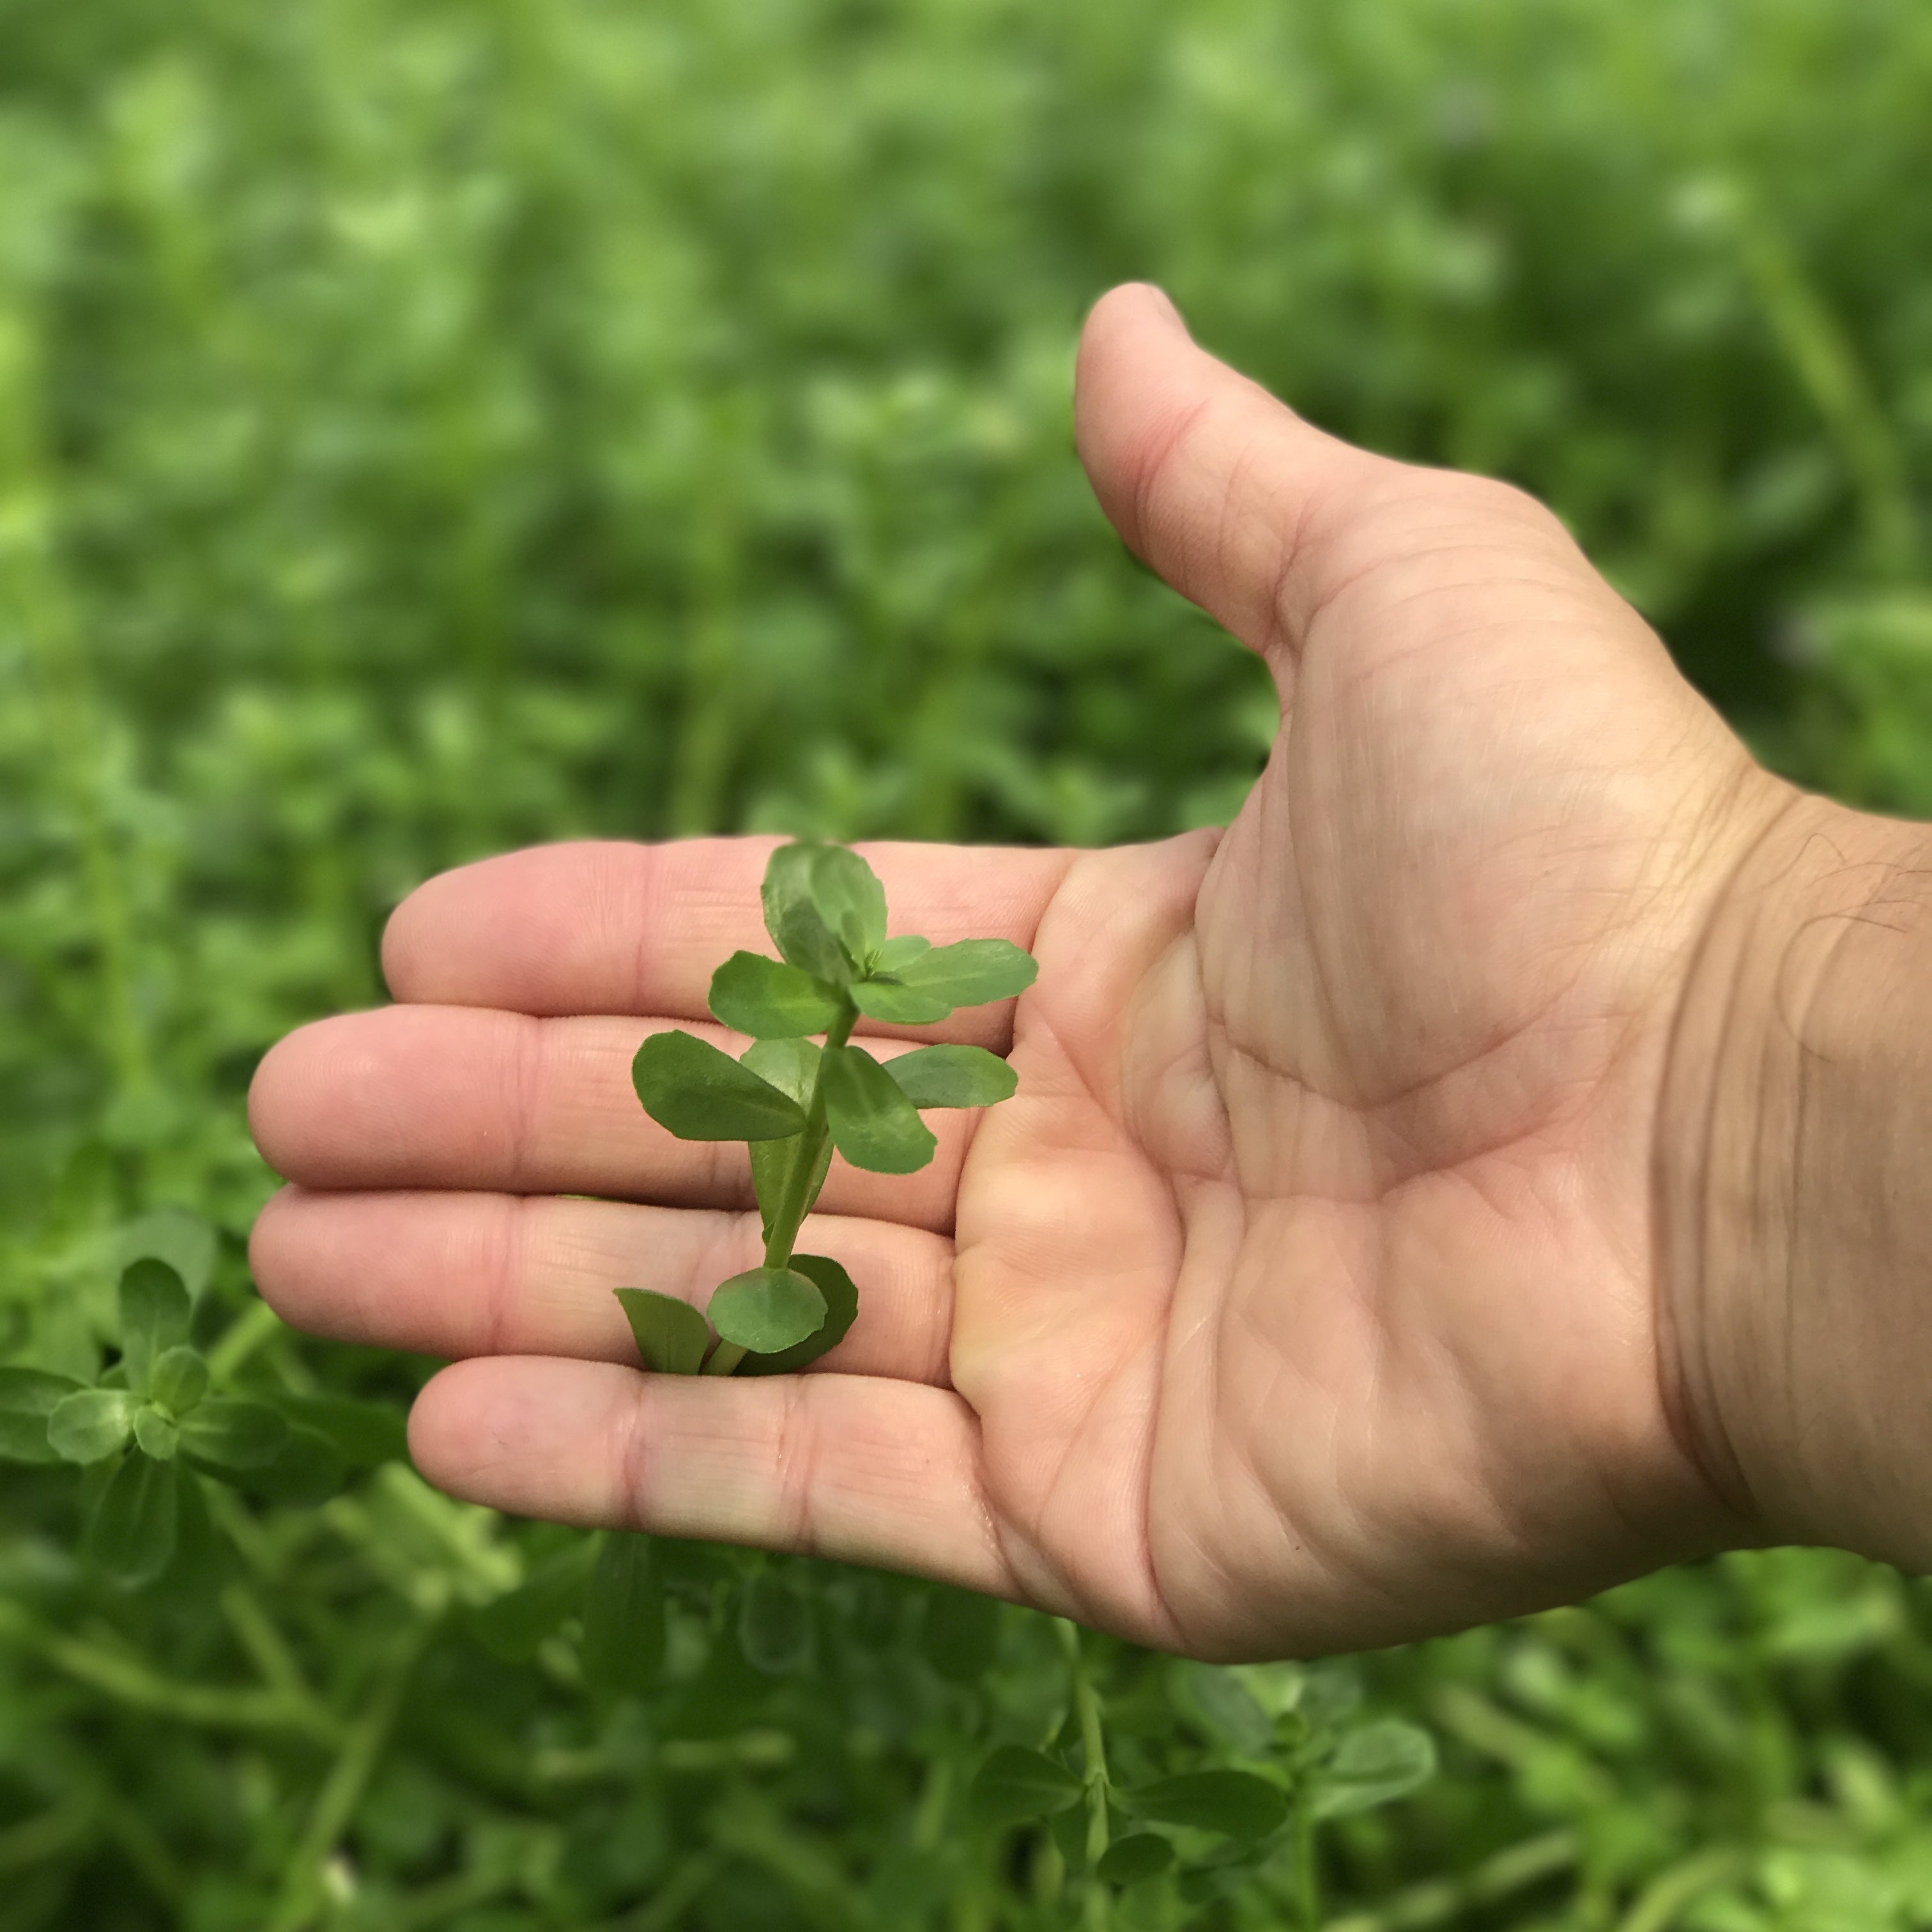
(793, 1102)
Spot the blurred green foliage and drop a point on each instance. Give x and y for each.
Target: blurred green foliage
(426, 427)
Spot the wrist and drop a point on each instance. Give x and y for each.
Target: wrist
(1794, 1181)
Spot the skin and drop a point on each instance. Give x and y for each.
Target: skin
(1307, 1296)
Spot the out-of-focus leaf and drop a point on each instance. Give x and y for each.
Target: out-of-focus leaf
(131, 1533)
(952, 1076)
(1236, 1802)
(155, 1311)
(179, 1381)
(841, 1309)
(766, 1309)
(671, 1335)
(700, 1093)
(770, 1000)
(774, 1625)
(232, 1433)
(90, 1424)
(513, 1624)
(1372, 1765)
(1128, 1860)
(623, 1617)
(364, 1434)
(962, 1634)
(1015, 1785)
(28, 1397)
(157, 1434)
(175, 1235)
(873, 1124)
(307, 1470)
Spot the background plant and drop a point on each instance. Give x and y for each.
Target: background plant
(427, 428)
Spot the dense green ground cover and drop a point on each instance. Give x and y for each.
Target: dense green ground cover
(425, 428)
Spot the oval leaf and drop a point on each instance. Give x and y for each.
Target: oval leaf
(894, 954)
(798, 928)
(1015, 1785)
(1236, 1802)
(841, 1308)
(179, 1380)
(672, 1337)
(90, 1424)
(699, 1094)
(952, 1076)
(851, 900)
(791, 1066)
(155, 1434)
(771, 1169)
(305, 1471)
(768, 1000)
(131, 1535)
(970, 972)
(766, 1309)
(898, 1004)
(154, 1318)
(233, 1433)
(873, 1124)
(1128, 1860)
(28, 1397)
(1372, 1765)
(175, 1235)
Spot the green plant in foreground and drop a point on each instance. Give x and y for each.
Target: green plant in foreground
(793, 1102)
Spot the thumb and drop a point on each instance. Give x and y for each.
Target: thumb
(1256, 516)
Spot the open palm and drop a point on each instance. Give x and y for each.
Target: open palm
(1303, 1298)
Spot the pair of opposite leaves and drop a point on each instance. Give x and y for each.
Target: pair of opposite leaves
(792, 1101)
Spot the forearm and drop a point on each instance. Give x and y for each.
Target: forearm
(1795, 1187)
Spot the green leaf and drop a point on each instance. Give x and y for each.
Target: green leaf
(131, 1534)
(234, 1433)
(841, 1309)
(962, 1634)
(1372, 1765)
(623, 1617)
(895, 953)
(700, 1094)
(768, 1000)
(896, 1004)
(771, 1169)
(1128, 1860)
(798, 929)
(952, 1076)
(516, 1622)
(175, 1235)
(157, 1434)
(154, 1313)
(1215, 1697)
(363, 1434)
(179, 1380)
(790, 1065)
(970, 972)
(28, 1397)
(774, 1625)
(766, 1309)
(1236, 1802)
(1015, 1785)
(90, 1424)
(850, 900)
(305, 1471)
(672, 1337)
(873, 1124)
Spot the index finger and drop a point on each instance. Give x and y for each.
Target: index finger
(607, 926)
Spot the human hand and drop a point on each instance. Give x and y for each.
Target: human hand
(1304, 1298)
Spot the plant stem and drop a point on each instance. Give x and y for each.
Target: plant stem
(795, 1203)
(1095, 1905)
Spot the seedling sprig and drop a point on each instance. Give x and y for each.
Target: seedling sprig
(792, 1103)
